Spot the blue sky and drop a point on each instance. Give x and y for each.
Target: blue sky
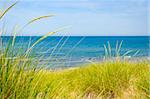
(85, 17)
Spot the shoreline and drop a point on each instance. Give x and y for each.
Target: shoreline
(130, 60)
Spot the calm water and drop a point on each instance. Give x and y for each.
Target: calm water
(69, 51)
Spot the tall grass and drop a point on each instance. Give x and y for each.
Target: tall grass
(17, 70)
(21, 79)
(125, 80)
(109, 53)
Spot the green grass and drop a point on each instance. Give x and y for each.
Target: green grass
(102, 80)
(108, 79)
(20, 78)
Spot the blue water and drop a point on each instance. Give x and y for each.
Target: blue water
(76, 50)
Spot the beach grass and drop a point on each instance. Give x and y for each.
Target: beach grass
(21, 78)
(123, 80)
(109, 79)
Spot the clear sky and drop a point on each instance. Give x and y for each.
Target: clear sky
(86, 17)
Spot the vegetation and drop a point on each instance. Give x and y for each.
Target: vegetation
(125, 80)
(21, 79)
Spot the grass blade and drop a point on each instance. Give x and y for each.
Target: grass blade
(1, 16)
(136, 53)
(117, 54)
(34, 20)
(109, 49)
(45, 36)
(15, 33)
(120, 45)
(106, 51)
(128, 52)
(39, 18)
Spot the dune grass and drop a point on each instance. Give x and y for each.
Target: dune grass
(102, 80)
(20, 78)
(125, 80)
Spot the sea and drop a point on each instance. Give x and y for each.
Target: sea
(69, 51)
